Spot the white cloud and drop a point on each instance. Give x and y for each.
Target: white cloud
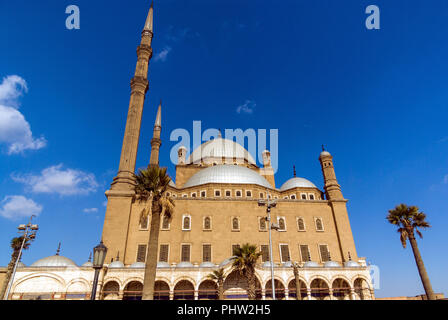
(90, 210)
(15, 207)
(162, 55)
(15, 131)
(55, 179)
(247, 107)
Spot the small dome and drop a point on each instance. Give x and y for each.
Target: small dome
(207, 265)
(297, 183)
(226, 262)
(227, 174)
(21, 265)
(332, 264)
(116, 265)
(324, 153)
(267, 264)
(163, 265)
(87, 264)
(172, 184)
(288, 264)
(351, 264)
(54, 261)
(137, 265)
(311, 264)
(184, 265)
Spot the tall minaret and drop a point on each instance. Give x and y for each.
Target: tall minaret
(332, 188)
(139, 86)
(155, 141)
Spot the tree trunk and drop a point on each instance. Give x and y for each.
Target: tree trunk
(250, 276)
(297, 282)
(9, 271)
(421, 268)
(221, 289)
(151, 255)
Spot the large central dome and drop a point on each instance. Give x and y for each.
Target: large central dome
(227, 174)
(216, 149)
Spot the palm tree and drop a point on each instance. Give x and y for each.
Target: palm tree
(218, 276)
(151, 185)
(297, 281)
(408, 220)
(244, 260)
(16, 244)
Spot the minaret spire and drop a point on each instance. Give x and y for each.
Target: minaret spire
(125, 179)
(156, 142)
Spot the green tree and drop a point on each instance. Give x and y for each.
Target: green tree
(218, 276)
(16, 244)
(151, 185)
(408, 220)
(244, 261)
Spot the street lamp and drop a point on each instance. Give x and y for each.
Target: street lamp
(270, 204)
(99, 254)
(28, 234)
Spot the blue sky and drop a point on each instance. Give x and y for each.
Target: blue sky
(376, 98)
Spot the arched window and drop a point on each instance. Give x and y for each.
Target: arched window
(300, 224)
(319, 225)
(281, 224)
(207, 223)
(186, 223)
(262, 223)
(235, 224)
(165, 222)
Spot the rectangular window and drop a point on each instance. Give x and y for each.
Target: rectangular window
(163, 253)
(217, 193)
(248, 193)
(304, 252)
(207, 253)
(141, 253)
(311, 195)
(185, 253)
(228, 193)
(284, 252)
(234, 247)
(264, 253)
(144, 223)
(203, 194)
(303, 196)
(324, 253)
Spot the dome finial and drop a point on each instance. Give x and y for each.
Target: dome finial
(329, 256)
(59, 249)
(294, 167)
(323, 147)
(90, 257)
(349, 256)
(118, 256)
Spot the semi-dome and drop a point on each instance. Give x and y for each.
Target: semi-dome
(267, 264)
(311, 264)
(54, 261)
(207, 265)
(137, 265)
(21, 265)
(297, 182)
(332, 264)
(226, 262)
(172, 184)
(161, 265)
(116, 265)
(184, 265)
(217, 149)
(87, 264)
(227, 174)
(351, 264)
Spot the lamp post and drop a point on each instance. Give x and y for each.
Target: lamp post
(270, 204)
(28, 234)
(99, 254)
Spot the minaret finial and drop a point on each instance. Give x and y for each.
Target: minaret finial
(158, 122)
(294, 167)
(149, 19)
(59, 249)
(90, 257)
(323, 147)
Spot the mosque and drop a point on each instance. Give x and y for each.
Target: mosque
(216, 190)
